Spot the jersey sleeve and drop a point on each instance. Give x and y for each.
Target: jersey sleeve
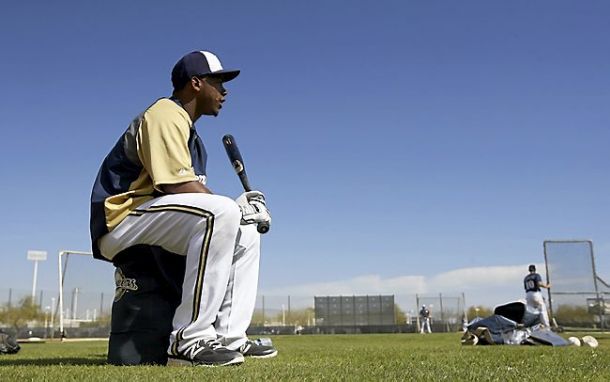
(162, 144)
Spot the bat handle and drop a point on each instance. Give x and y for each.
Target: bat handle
(262, 227)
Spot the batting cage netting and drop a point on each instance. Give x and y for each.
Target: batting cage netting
(86, 291)
(578, 297)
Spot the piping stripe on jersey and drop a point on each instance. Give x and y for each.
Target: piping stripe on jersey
(171, 207)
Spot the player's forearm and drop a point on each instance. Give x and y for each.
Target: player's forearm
(186, 187)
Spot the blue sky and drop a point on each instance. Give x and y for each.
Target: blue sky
(393, 138)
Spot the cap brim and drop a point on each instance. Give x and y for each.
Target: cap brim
(225, 75)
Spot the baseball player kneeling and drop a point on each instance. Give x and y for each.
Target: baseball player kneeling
(151, 190)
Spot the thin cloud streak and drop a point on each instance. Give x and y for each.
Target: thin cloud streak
(482, 285)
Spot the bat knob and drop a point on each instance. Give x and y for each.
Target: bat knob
(262, 227)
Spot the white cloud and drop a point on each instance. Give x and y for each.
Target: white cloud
(367, 284)
(482, 285)
(479, 277)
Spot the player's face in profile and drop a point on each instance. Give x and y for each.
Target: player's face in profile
(211, 95)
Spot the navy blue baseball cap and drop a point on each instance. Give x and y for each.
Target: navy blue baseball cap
(199, 64)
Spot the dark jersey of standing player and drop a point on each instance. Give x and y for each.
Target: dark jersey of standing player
(531, 282)
(424, 312)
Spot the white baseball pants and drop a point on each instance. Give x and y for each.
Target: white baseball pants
(425, 325)
(535, 301)
(222, 262)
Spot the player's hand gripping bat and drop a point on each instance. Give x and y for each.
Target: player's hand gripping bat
(238, 165)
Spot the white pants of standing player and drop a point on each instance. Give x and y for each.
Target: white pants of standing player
(222, 262)
(536, 302)
(425, 325)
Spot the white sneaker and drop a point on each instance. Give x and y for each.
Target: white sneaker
(205, 353)
(258, 349)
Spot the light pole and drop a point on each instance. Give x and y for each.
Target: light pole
(36, 256)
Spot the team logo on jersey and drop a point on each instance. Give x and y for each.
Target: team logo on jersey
(123, 284)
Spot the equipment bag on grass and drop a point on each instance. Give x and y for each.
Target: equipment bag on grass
(8, 343)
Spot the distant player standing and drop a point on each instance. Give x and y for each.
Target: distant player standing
(424, 314)
(532, 284)
(151, 191)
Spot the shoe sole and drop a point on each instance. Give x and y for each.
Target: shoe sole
(185, 362)
(270, 355)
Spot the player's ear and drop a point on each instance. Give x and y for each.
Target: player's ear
(196, 83)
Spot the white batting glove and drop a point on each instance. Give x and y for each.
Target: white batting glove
(253, 208)
(248, 196)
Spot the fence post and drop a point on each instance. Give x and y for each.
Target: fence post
(53, 312)
(598, 297)
(289, 315)
(10, 296)
(440, 297)
(417, 312)
(464, 311)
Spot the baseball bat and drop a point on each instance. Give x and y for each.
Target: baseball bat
(240, 168)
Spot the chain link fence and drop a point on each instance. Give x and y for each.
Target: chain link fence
(38, 315)
(297, 314)
(87, 313)
(79, 305)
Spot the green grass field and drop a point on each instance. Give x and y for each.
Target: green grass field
(391, 357)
